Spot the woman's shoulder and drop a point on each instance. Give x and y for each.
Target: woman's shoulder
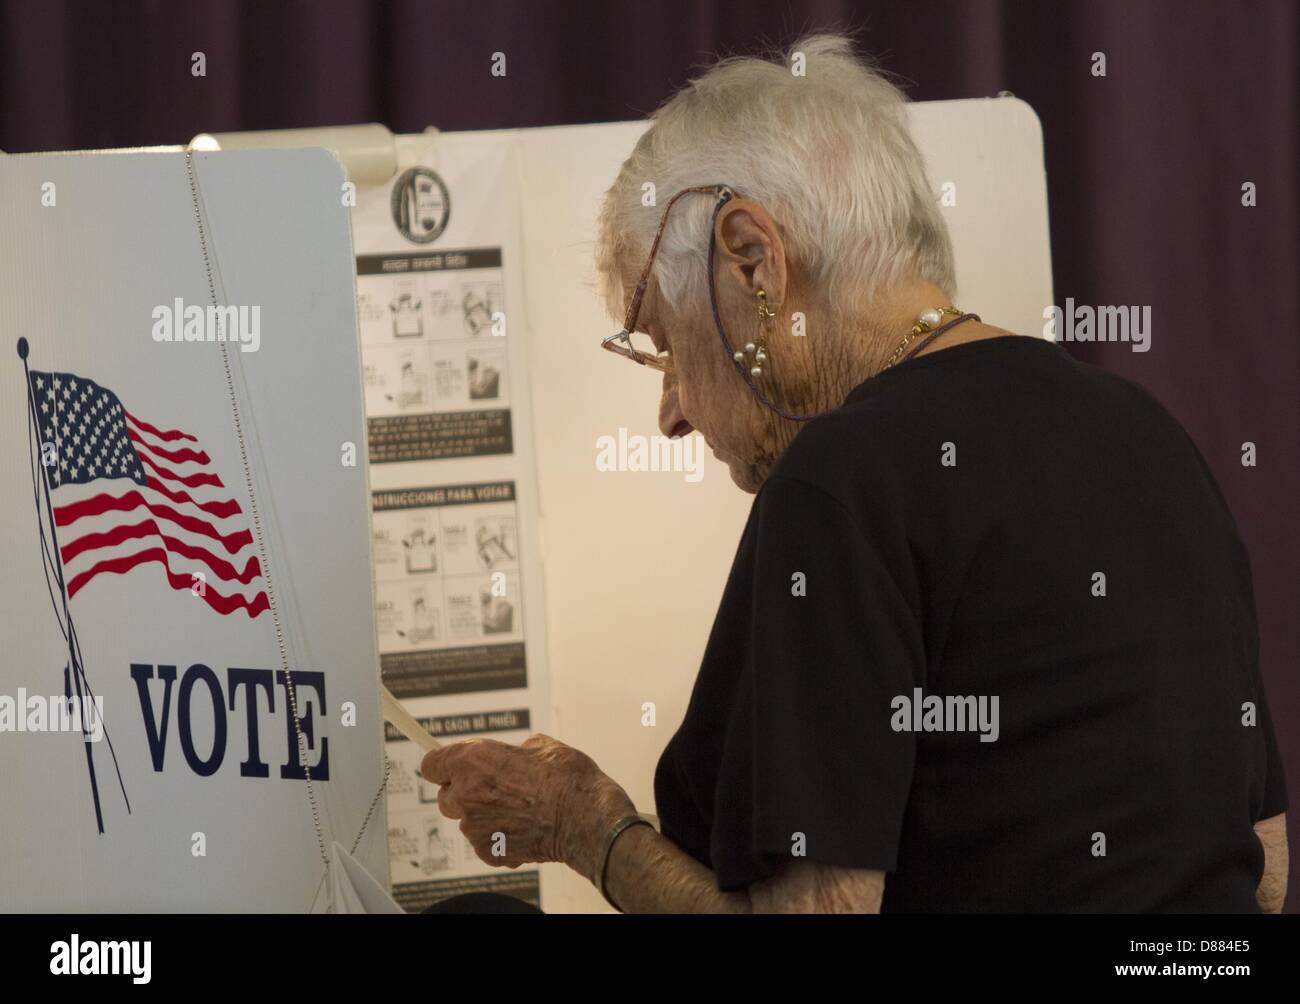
(833, 454)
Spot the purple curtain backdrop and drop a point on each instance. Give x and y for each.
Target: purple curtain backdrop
(1145, 166)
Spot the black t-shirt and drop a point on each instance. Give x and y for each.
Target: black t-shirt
(993, 520)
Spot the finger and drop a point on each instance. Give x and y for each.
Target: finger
(448, 804)
(482, 847)
(434, 767)
(485, 843)
(441, 766)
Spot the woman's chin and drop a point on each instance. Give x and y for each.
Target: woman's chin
(746, 477)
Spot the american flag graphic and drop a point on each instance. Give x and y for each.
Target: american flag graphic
(126, 493)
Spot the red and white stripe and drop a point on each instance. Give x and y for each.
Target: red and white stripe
(185, 520)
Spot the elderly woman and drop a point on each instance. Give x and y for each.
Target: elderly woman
(988, 643)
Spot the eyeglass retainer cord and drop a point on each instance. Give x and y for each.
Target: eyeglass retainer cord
(725, 195)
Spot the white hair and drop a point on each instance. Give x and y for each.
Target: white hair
(827, 153)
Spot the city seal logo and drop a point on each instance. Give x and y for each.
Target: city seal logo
(421, 205)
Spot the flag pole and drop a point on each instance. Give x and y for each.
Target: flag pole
(74, 660)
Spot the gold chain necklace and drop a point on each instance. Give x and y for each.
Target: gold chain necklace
(927, 321)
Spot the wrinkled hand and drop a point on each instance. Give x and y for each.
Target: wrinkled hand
(541, 801)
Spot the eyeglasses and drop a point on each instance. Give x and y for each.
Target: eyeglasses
(621, 342)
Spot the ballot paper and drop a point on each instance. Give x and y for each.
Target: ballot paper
(458, 580)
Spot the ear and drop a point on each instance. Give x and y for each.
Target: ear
(750, 249)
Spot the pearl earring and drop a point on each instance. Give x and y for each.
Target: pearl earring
(756, 350)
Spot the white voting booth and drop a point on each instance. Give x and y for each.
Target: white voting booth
(181, 538)
(480, 561)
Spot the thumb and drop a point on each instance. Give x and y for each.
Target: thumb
(433, 768)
